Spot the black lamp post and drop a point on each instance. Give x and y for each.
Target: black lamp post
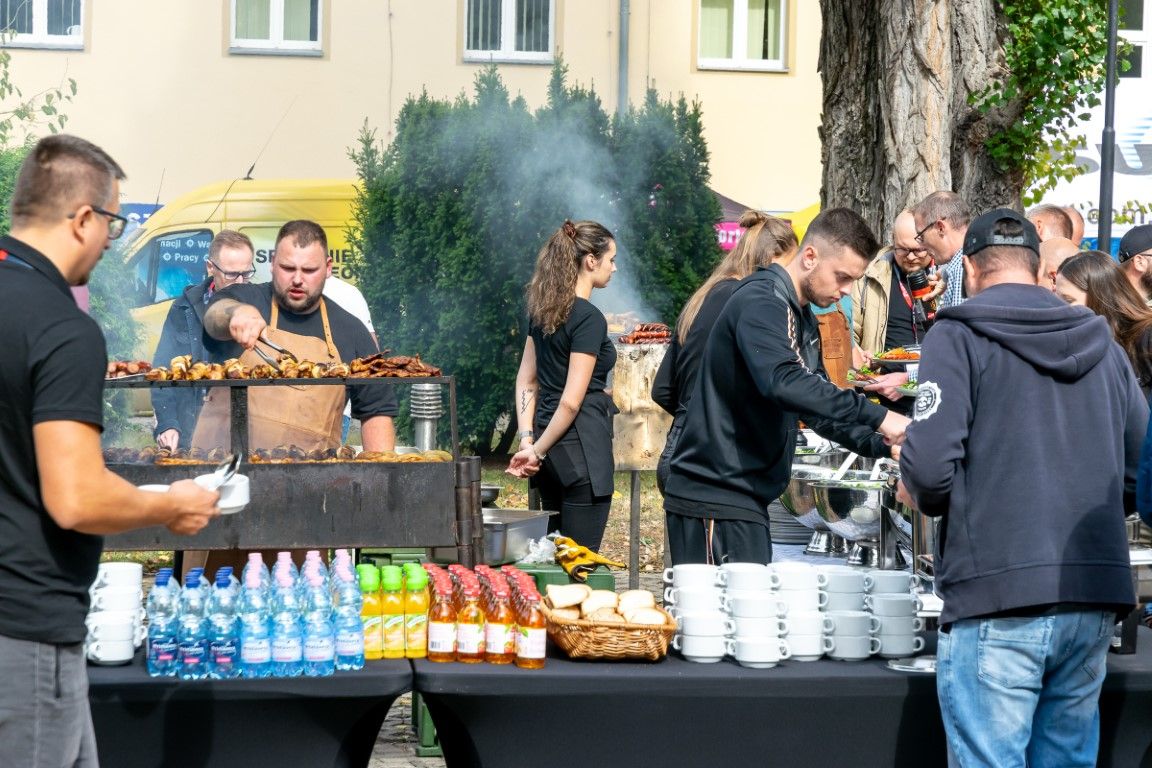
(1108, 147)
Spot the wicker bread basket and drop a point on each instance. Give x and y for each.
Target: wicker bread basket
(583, 639)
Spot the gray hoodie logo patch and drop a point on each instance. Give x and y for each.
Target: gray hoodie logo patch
(927, 400)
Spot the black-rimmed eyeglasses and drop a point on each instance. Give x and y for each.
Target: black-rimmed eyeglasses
(224, 273)
(116, 222)
(920, 235)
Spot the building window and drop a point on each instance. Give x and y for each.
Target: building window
(742, 34)
(509, 30)
(276, 26)
(43, 23)
(1134, 29)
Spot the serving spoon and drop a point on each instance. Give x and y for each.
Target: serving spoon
(224, 472)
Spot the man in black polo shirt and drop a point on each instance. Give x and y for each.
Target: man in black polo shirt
(56, 496)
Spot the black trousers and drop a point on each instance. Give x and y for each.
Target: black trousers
(709, 540)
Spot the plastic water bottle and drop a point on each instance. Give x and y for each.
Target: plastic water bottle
(256, 563)
(255, 632)
(163, 646)
(349, 626)
(313, 556)
(284, 561)
(287, 638)
(223, 631)
(319, 636)
(191, 638)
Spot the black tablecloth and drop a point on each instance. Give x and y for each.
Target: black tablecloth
(676, 713)
(163, 722)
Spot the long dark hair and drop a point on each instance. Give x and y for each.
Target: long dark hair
(1110, 295)
(552, 289)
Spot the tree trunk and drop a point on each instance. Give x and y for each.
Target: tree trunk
(897, 125)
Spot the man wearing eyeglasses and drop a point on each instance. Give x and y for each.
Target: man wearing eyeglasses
(57, 498)
(883, 307)
(229, 262)
(1135, 257)
(941, 223)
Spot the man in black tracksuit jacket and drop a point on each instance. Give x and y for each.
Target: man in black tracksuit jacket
(1025, 440)
(761, 373)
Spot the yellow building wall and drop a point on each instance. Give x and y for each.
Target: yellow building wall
(160, 91)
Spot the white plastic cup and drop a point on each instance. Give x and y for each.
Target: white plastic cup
(110, 651)
(748, 576)
(692, 576)
(853, 623)
(851, 647)
(893, 604)
(757, 652)
(892, 582)
(896, 646)
(900, 625)
(707, 623)
(693, 600)
(700, 648)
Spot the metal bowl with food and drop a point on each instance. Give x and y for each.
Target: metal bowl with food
(850, 507)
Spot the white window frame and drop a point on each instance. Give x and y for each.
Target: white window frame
(39, 37)
(739, 38)
(276, 44)
(507, 52)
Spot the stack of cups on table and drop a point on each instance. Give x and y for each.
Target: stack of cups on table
(693, 598)
(802, 593)
(851, 630)
(115, 614)
(758, 624)
(894, 607)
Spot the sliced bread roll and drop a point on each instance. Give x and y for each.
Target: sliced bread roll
(566, 614)
(567, 595)
(645, 616)
(600, 598)
(606, 615)
(635, 598)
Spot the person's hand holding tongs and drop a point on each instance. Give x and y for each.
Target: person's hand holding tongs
(247, 328)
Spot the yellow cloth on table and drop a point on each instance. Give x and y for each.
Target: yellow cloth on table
(577, 560)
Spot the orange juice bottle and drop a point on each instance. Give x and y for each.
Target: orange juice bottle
(531, 638)
(470, 629)
(500, 630)
(369, 577)
(442, 626)
(416, 613)
(392, 611)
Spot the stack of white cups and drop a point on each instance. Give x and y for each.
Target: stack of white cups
(852, 628)
(115, 615)
(801, 591)
(758, 625)
(894, 608)
(693, 597)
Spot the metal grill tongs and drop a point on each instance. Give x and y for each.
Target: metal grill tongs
(276, 348)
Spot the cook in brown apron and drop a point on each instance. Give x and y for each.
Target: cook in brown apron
(310, 417)
(835, 346)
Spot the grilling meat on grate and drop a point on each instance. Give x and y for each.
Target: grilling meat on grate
(648, 333)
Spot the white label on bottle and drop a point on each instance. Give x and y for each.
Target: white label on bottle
(256, 651)
(287, 649)
(497, 638)
(469, 638)
(349, 642)
(531, 642)
(441, 637)
(319, 649)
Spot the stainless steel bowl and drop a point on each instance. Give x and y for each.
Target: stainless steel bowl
(798, 498)
(850, 507)
(813, 457)
(489, 494)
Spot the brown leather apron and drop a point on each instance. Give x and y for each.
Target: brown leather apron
(308, 416)
(835, 346)
(311, 417)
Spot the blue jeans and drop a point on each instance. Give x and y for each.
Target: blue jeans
(1024, 691)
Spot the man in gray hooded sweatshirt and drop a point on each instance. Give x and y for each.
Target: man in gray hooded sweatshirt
(1025, 441)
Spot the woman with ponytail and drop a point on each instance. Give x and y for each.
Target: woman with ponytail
(563, 415)
(765, 239)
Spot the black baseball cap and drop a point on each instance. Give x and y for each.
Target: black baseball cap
(982, 232)
(1136, 240)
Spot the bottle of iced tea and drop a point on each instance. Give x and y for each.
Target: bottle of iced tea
(500, 630)
(531, 637)
(470, 628)
(442, 626)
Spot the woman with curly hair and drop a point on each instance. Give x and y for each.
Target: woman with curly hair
(563, 414)
(1092, 279)
(764, 239)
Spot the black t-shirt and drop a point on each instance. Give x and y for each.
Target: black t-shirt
(54, 365)
(585, 331)
(349, 334)
(900, 332)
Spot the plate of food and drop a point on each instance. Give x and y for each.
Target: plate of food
(908, 390)
(862, 376)
(897, 358)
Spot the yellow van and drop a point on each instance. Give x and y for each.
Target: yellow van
(170, 250)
